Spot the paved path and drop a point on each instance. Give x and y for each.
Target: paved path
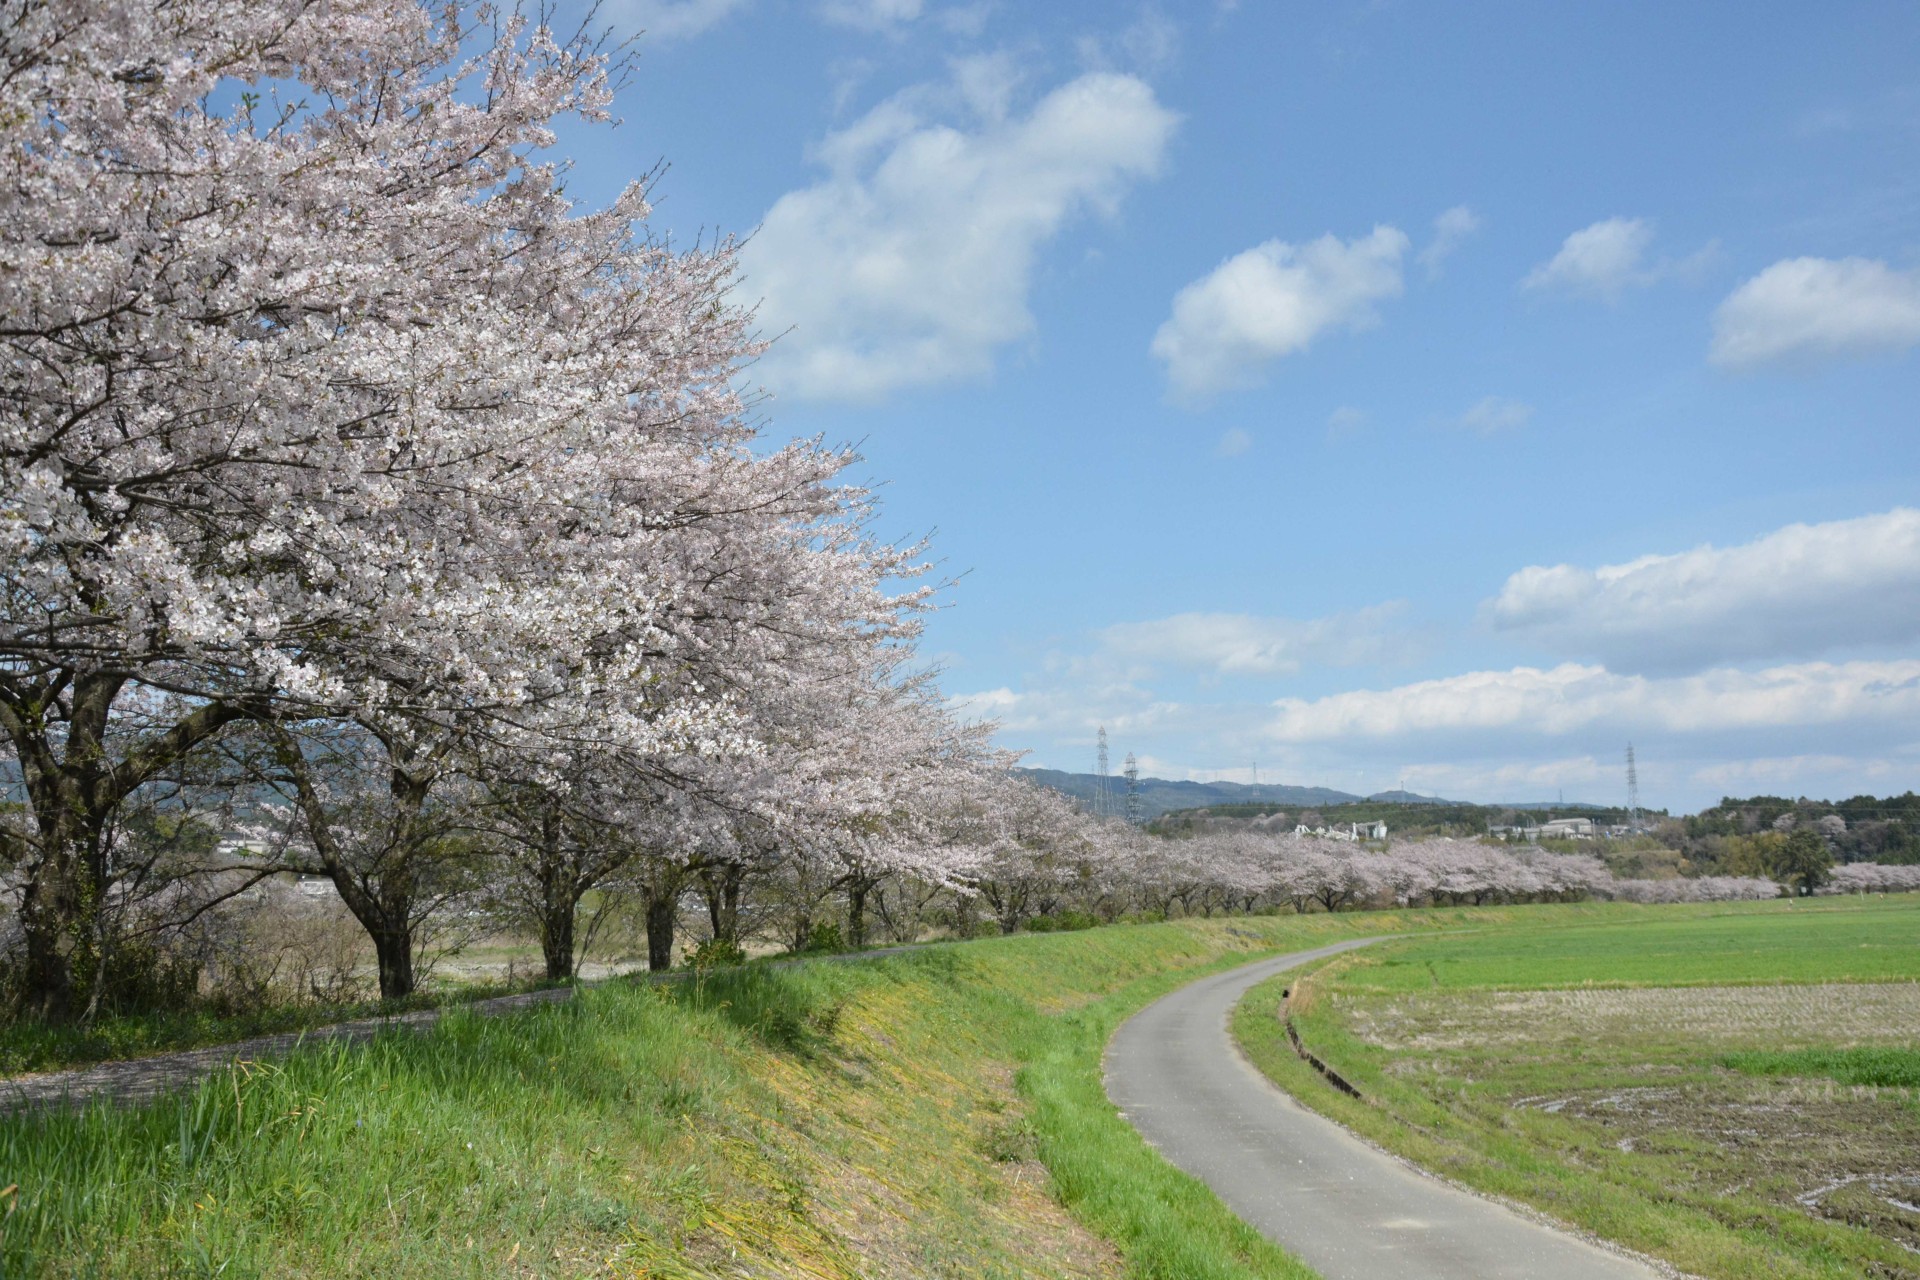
(1349, 1210)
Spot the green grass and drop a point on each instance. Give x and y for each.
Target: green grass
(1668, 1088)
(936, 1113)
(1876, 1065)
(760, 1121)
(30, 1044)
(1821, 940)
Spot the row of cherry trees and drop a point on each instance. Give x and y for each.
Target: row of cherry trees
(361, 491)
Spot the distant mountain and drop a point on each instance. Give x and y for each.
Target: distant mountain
(1158, 796)
(1407, 797)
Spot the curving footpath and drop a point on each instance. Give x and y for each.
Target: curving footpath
(1346, 1208)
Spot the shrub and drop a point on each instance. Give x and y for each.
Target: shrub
(716, 953)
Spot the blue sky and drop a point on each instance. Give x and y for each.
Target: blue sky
(1375, 392)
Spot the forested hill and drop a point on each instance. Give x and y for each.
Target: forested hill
(1158, 796)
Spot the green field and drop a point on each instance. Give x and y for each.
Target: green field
(1732, 1089)
(1818, 940)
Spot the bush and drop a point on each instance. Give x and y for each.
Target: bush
(716, 953)
(1062, 922)
(825, 937)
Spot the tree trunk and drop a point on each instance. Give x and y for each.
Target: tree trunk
(73, 789)
(857, 914)
(721, 887)
(556, 938)
(662, 907)
(56, 921)
(394, 949)
(559, 902)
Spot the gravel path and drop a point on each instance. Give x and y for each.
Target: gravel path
(1348, 1209)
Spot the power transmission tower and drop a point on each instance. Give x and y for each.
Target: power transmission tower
(1633, 793)
(1133, 790)
(1103, 789)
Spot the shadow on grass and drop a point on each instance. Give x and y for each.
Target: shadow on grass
(793, 1010)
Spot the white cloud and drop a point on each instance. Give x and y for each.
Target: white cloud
(669, 19)
(1574, 697)
(1450, 230)
(1496, 414)
(1234, 443)
(870, 15)
(1790, 772)
(1807, 310)
(1797, 592)
(1272, 301)
(1514, 781)
(1604, 259)
(1147, 44)
(1122, 708)
(910, 262)
(1245, 645)
(1345, 421)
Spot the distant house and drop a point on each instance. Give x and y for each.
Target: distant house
(1558, 829)
(1354, 834)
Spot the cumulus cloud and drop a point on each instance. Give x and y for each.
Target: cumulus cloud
(1274, 300)
(1450, 230)
(1496, 414)
(1574, 697)
(1797, 592)
(1808, 310)
(1246, 645)
(1604, 259)
(910, 262)
(670, 19)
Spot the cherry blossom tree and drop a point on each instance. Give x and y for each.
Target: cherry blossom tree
(329, 403)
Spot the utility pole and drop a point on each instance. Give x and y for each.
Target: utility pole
(1633, 794)
(1103, 790)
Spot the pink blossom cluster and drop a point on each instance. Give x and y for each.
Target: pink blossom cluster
(1871, 877)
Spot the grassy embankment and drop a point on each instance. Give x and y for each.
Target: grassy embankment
(32, 1045)
(1732, 1089)
(826, 1120)
(924, 1115)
